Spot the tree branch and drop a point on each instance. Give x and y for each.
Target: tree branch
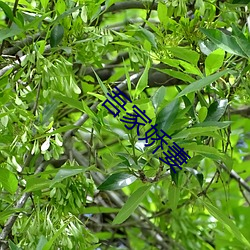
(236, 177)
(16, 63)
(21, 44)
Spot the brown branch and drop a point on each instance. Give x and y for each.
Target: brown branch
(21, 44)
(243, 111)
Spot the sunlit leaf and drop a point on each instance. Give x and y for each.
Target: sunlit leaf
(158, 97)
(197, 85)
(7, 10)
(131, 204)
(223, 41)
(49, 244)
(98, 210)
(214, 61)
(219, 125)
(193, 132)
(67, 172)
(36, 183)
(8, 180)
(185, 54)
(173, 196)
(70, 101)
(162, 12)
(143, 81)
(177, 74)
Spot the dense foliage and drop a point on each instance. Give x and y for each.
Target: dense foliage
(72, 176)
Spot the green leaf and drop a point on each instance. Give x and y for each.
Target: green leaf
(219, 125)
(88, 111)
(35, 183)
(207, 151)
(8, 180)
(202, 114)
(66, 172)
(56, 35)
(198, 175)
(41, 243)
(214, 61)
(186, 54)
(188, 104)
(238, 33)
(244, 45)
(189, 68)
(68, 12)
(173, 195)
(143, 81)
(193, 132)
(49, 110)
(174, 177)
(227, 223)
(147, 35)
(158, 97)
(223, 41)
(104, 89)
(13, 246)
(207, 46)
(9, 32)
(70, 101)
(49, 244)
(241, 40)
(197, 85)
(166, 117)
(98, 210)
(216, 110)
(127, 76)
(35, 21)
(7, 10)
(132, 203)
(162, 12)
(177, 74)
(44, 3)
(117, 181)
(9, 211)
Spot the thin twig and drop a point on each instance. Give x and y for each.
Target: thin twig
(148, 14)
(236, 177)
(37, 97)
(244, 195)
